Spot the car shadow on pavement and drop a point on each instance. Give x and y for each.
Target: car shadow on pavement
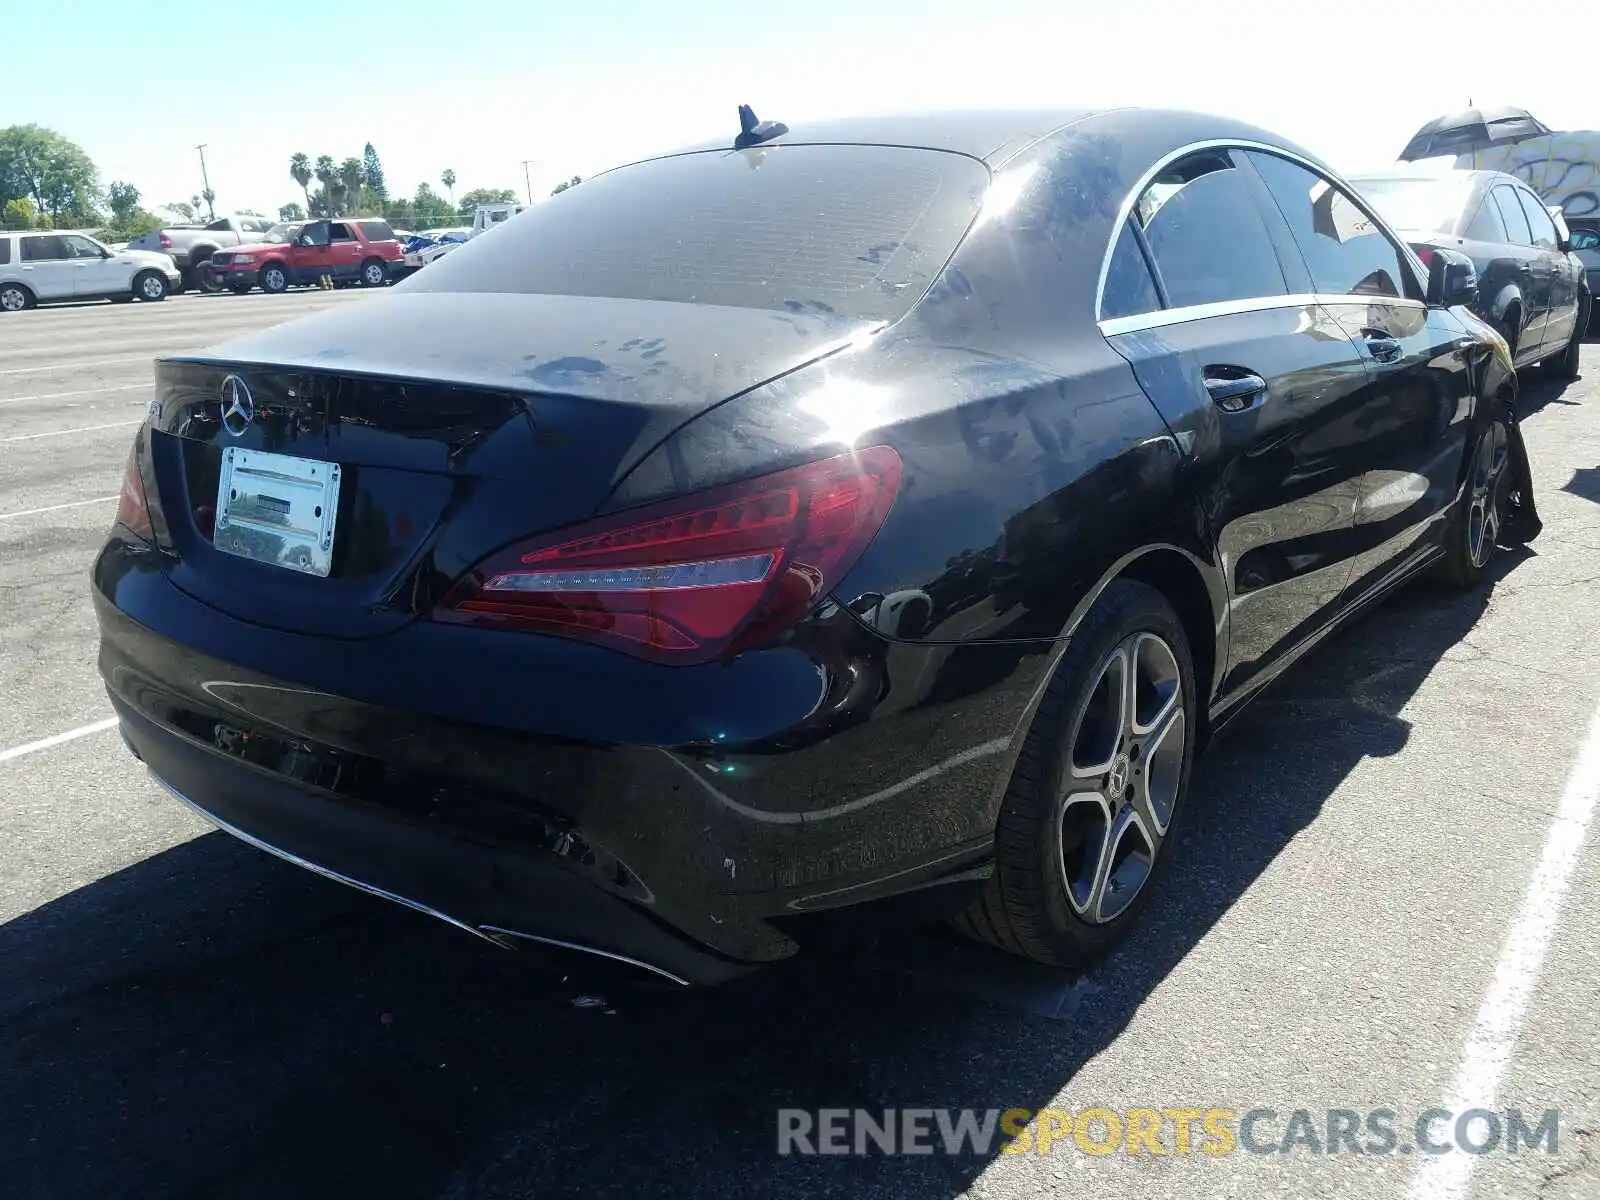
(213, 1023)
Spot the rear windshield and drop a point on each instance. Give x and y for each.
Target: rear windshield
(859, 231)
(1421, 205)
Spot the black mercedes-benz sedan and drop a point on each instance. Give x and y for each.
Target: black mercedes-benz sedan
(1531, 286)
(759, 545)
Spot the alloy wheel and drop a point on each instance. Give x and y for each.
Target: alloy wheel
(1488, 472)
(13, 300)
(153, 288)
(1123, 775)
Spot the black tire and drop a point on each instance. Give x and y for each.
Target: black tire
(202, 275)
(239, 289)
(150, 285)
(1511, 329)
(1564, 366)
(374, 273)
(14, 297)
(1028, 908)
(1472, 532)
(274, 279)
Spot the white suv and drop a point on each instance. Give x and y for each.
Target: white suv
(36, 267)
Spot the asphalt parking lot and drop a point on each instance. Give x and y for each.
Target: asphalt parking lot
(1385, 899)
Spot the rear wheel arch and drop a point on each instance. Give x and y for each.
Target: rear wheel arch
(1202, 612)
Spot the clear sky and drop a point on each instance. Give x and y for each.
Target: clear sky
(579, 85)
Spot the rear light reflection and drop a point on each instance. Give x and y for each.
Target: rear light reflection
(133, 509)
(696, 578)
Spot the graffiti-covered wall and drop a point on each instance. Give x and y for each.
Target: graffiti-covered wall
(1564, 168)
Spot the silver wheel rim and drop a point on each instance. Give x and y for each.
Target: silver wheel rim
(12, 300)
(274, 279)
(152, 288)
(374, 275)
(1120, 785)
(1483, 516)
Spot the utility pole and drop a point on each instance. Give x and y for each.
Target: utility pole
(205, 179)
(528, 179)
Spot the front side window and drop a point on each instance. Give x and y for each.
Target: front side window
(1518, 231)
(1206, 235)
(1129, 288)
(79, 246)
(1544, 229)
(315, 234)
(43, 247)
(283, 233)
(1345, 251)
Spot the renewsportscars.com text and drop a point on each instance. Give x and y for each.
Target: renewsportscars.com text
(1163, 1131)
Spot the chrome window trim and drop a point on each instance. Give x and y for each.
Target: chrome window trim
(1125, 210)
(1158, 317)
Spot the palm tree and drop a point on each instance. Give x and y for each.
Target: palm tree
(326, 173)
(300, 172)
(449, 181)
(352, 173)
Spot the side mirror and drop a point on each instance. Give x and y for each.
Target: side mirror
(1452, 278)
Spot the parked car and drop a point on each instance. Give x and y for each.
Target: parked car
(425, 248)
(191, 246)
(37, 268)
(1584, 237)
(588, 589)
(1531, 288)
(351, 250)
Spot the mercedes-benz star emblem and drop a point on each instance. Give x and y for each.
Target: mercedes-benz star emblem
(238, 406)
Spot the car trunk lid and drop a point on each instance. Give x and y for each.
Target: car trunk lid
(459, 423)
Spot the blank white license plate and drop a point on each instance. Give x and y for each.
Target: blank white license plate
(277, 509)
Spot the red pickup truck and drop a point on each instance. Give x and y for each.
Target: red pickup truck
(350, 250)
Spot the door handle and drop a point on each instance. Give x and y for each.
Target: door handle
(1235, 392)
(1383, 348)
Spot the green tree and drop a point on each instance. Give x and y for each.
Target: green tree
(124, 201)
(210, 197)
(565, 184)
(44, 221)
(372, 174)
(46, 168)
(183, 208)
(292, 212)
(432, 209)
(448, 178)
(477, 196)
(18, 213)
(300, 172)
(400, 213)
(327, 173)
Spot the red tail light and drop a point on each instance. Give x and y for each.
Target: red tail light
(133, 510)
(166, 241)
(694, 578)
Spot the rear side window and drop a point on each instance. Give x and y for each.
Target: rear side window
(376, 231)
(1130, 290)
(5, 251)
(1346, 253)
(43, 248)
(1206, 234)
(338, 232)
(856, 231)
(1486, 225)
(1518, 232)
(1544, 229)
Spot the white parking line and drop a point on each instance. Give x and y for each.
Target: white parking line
(79, 364)
(45, 743)
(30, 437)
(33, 512)
(1505, 1007)
(124, 387)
